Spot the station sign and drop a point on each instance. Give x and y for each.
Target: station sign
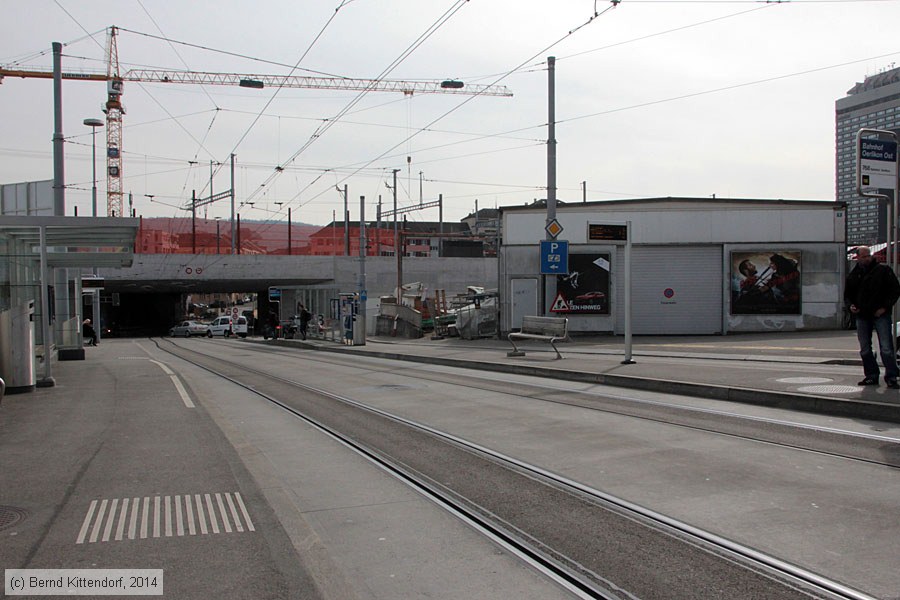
(877, 166)
(274, 294)
(554, 257)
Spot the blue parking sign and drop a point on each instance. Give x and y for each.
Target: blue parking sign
(554, 257)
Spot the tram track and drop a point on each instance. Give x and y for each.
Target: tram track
(595, 544)
(828, 441)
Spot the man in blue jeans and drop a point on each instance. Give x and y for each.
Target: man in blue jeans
(872, 290)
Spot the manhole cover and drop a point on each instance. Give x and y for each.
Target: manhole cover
(10, 515)
(804, 380)
(830, 389)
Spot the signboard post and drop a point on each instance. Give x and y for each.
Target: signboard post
(877, 168)
(628, 359)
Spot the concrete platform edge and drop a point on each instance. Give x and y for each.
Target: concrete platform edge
(840, 407)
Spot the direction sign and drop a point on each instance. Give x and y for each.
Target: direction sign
(877, 166)
(274, 294)
(554, 257)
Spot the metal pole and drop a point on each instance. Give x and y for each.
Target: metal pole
(550, 281)
(290, 247)
(346, 224)
(378, 228)
(238, 234)
(441, 225)
(59, 177)
(95, 294)
(584, 191)
(46, 332)
(194, 221)
(218, 247)
(363, 294)
(893, 227)
(232, 203)
(628, 360)
(397, 244)
(210, 180)
(94, 171)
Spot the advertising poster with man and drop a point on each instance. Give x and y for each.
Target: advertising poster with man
(765, 283)
(585, 289)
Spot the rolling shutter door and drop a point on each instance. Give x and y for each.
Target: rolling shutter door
(675, 290)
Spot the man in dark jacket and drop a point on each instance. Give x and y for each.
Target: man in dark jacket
(872, 290)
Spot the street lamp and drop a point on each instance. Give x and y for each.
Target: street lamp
(94, 124)
(95, 295)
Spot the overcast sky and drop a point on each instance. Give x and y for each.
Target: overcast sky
(663, 98)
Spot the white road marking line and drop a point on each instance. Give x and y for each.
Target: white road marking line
(247, 520)
(120, 529)
(179, 522)
(110, 520)
(234, 515)
(212, 514)
(168, 516)
(222, 512)
(87, 522)
(144, 517)
(190, 514)
(200, 516)
(96, 530)
(177, 382)
(135, 509)
(156, 515)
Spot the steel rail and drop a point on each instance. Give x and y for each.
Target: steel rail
(573, 582)
(737, 416)
(722, 544)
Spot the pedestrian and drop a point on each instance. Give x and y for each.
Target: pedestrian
(872, 290)
(305, 316)
(87, 331)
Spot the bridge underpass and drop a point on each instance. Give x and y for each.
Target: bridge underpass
(151, 296)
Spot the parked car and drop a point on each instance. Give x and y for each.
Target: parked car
(188, 329)
(591, 296)
(224, 327)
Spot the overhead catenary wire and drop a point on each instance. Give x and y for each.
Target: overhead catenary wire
(457, 5)
(613, 4)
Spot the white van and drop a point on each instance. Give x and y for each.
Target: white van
(224, 327)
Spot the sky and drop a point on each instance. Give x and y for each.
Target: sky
(653, 98)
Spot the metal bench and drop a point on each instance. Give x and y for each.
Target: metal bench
(547, 329)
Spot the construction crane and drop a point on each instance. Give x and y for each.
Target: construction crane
(115, 110)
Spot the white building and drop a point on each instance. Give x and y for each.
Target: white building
(699, 266)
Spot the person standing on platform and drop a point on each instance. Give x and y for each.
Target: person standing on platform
(305, 316)
(872, 290)
(87, 331)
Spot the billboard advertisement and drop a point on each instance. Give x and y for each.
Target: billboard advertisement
(585, 288)
(765, 282)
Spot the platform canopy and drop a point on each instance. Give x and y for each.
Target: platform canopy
(73, 242)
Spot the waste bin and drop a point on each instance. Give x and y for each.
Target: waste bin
(17, 348)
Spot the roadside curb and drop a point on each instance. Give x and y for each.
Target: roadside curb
(878, 411)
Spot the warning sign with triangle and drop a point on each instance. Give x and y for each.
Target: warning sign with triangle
(560, 304)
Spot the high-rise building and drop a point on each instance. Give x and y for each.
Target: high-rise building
(871, 104)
